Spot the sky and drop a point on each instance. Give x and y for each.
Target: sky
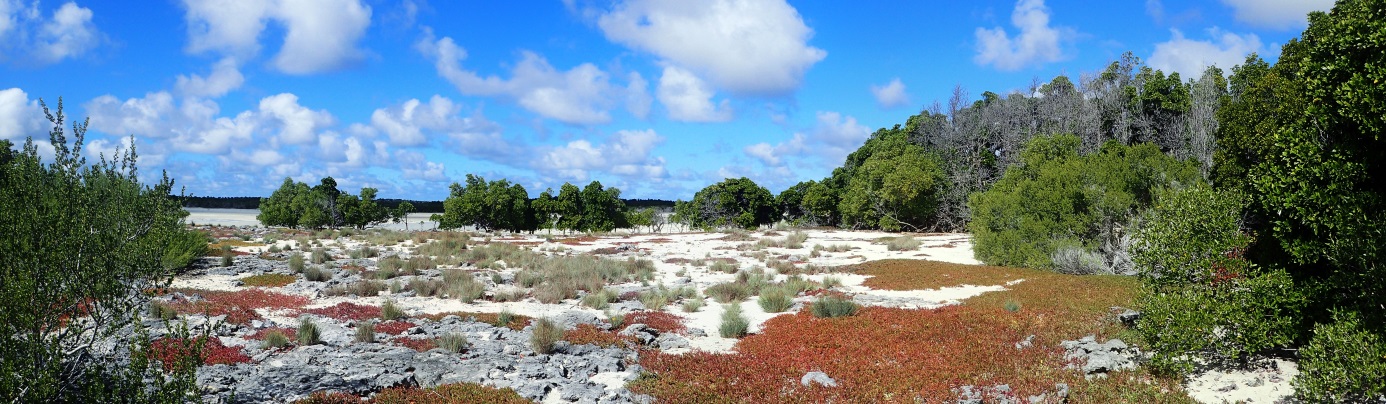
(659, 98)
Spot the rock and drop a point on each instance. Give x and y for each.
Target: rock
(696, 332)
(571, 319)
(817, 377)
(1255, 382)
(642, 333)
(1127, 316)
(669, 341)
(1228, 387)
(1026, 343)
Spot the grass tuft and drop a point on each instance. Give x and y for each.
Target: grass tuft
(544, 335)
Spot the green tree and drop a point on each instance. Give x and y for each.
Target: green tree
(895, 188)
(81, 242)
(568, 207)
(281, 208)
(545, 209)
(602, 208)
(401, 213)
(737, 202)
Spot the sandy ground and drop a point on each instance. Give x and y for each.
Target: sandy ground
(669, 250)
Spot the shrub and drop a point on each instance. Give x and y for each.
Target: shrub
(795, 240)
(734, 324)
(1057, 197)
(776, 299)
(227, 260)
(554, 292)
(902, 243)
(365, 331)
(462, 285)
(1075, 260)
(268, 280)
(320, 256)
(504, 318)
(161, 310)
(1343, 363)
(508, 293)
(829, 306)
(454, 342)
(418, 263)
(654, 299)
(692, 305)
(424, 287)
(729, 292)
(389, 311)
(296, 262)
(830, 282)
(724, 267)
(316, 274)
(600, 299)
(275, 339)
(366, 288)
(308, 332)
(544, 334)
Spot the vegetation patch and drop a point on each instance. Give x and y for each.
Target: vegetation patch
(239, 306)
(268, 280)
(902, 274)
(203, 350)
(513, 321)
(346, 311)
(587, 334)
(458, 393)
(662, 321)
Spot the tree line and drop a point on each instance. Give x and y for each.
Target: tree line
(296, 205)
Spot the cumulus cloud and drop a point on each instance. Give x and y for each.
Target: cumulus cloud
(1037, 42)
(581, 95)
(413, 122)
(831, 139)
(297, 123)
(689, 99)
(20, 117)
(747, 47)
(30, 37)
(319, 35)
(225, 76)
(195, 125)
(626, 153)
(638, 96)
(1190, 57)
(891, 94)
(1277, 14)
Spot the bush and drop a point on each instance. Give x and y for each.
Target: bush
(724, 267)
(830, 282)
(308, 332)
(161, 310)
(600, 299)
(462, 285)
(275, 339)
(902, 243)
(776, 299)
(454, 342)
(692, 305)
(316, 274)
(296, 262)
(365, 331)
(654, 299)
(1057, 197)
(320, 256)
(730, 292)
(1075, 260)
(544, 334)
(268, 280)
(829, 306)
(1342, 363)
(734, 324)
(733, 202)
(389, 311)
(424, 287)
(504, 318)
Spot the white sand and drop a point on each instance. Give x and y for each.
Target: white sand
(1268, 383)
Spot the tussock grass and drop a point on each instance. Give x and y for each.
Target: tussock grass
(389, 311)
(454, 342)
(900, 243)
(829, 306)
(308, 333)
(320, 256)
(600, 299)
(734, 324)
(296, 262)
(544, 335)
(365, 331)
(275, 339)
(365, 288)
(776, 299)
(462, 285)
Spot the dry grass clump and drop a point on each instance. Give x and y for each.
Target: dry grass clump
(445, 249)
(268, 280)
(462, 285)
(502, 319)
(544, 335)
(365, 251)
(418, 263)
(559, 278)
(317, 274)
(900, 243)
(365, 331)
(320, 256)
(365, 288)
(390, 311)
(382, 237)
(729, 292)
(723, 266)
(424, 287)
(600, 299)
(296, 262)
(508, 293)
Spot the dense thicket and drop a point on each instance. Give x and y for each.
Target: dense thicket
(502, 205)
(81, 241)
(734, 202)
(295, 204)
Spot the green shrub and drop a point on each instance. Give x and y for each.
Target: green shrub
(320, 256)
(734, 324)
(308, 332)
(418, 263)
(1342, 363)
(544, 334)
(724, 267)
(600, 299)
(275, 339)
(389, 267)
(829, 306)
(316, 274)
(730, 292)
(227, 260)
(161, 310)
(296, 262)
(504, 318)
(902, 243)
(462, 285)
(365, 331)
(776, 299)
(454, 342)
(424, 287)
(692, 305)
(830, 282)
(654, 299)
(389, 311)
(795, 240)
(1056, 197)
(1075, 260)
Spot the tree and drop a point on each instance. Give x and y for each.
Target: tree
(280, 208)
(545, 209)
(737, 202)
(82, 241)
(401, 213)
(602, 209)
(326, 193)
(568, 206)
(895, 188)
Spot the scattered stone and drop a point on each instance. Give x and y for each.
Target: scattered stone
(1097, 359)
(820, 378)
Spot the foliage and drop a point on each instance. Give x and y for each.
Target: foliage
(1059, 198)
(202, 350)
(81, 239)
(497, 205)
(588, 334)
(457, 393)
(776, 299)
(296, 205)
(454, 342)
(238, 306)
(734, 324)
(1342, 363)
(365, 331)
(268, 280)
(894, 188)
(307, 332)
(658, 320)
(544, 334)
(346, 311)
(830, 305)
(734, 202)
(276, 339)
(390, 311)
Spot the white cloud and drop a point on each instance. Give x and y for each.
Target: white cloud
(411, 123)
(1037, 43)
(413, 165)
(320, 35)
(581, 96)
(891, 94)
(1278, 14)
(743, 46)
(225, 76)
(638, 96)
(20, 117)
(832, 138)
(771, 155)
(626, 153)
(690, 99)
(28, 36)
(1190, 57)
(297, 123)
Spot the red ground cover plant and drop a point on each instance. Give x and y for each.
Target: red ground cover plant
(590, 334)
(346, 311)
(394, 327)
(898, 355)
(239, 306)
(170, 350)
(417, 344)
(662, 321)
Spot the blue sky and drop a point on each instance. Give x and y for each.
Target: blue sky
(657, 97)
